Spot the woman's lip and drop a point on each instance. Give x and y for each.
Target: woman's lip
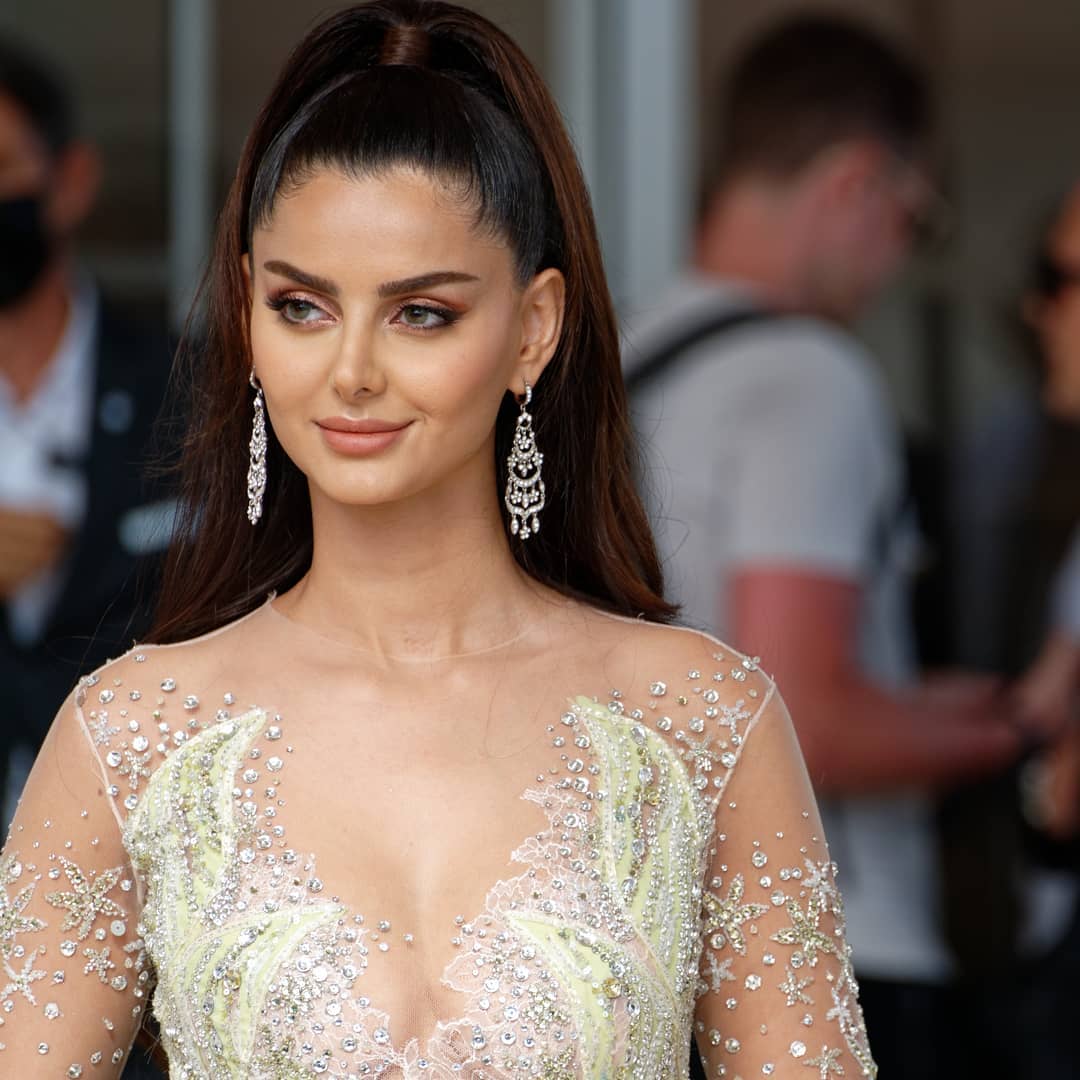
(361, 443)
(359, 427)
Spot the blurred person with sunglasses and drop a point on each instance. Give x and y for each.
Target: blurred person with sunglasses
(1048, 695)
(1045, 564)
(1016, 536)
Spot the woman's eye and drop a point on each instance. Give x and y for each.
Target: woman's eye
(420, 317)
(299, 311)
(295, 311)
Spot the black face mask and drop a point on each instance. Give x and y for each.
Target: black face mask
(25, 248)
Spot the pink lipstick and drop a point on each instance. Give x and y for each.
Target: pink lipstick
(360, 438)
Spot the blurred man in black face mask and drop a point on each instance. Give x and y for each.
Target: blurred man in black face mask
(48, 181)
(79, 391)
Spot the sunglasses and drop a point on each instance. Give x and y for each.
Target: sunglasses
(1052, 279)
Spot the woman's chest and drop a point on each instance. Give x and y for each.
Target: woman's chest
(391, 914)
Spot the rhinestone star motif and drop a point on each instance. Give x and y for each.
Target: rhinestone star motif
(803, 933)
(794, 989)
(87, 898)
(12, 920)
(727, 916)
(98, 963)
(826, 1063)
(21, 981)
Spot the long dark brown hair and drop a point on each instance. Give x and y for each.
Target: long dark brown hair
(431, 86)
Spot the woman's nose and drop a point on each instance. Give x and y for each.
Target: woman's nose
(357, 371)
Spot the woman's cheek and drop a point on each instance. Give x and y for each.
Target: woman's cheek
(290, 364)
(462, 382)
(266, 351)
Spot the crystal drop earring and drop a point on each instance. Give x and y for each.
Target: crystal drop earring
(525, 494)
(256, 477)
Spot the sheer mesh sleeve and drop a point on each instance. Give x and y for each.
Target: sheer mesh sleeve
(73, 974)
(778, 997)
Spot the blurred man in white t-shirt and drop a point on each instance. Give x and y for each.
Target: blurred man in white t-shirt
(788, 532)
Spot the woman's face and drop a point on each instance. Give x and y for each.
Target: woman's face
(386, 329)
(1057, 317)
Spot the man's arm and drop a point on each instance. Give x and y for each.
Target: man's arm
(856, 737)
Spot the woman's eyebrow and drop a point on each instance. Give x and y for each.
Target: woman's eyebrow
(424, 281)
(386, 289)
(312, 281)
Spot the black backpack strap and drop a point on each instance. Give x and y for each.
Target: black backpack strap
(676, 349)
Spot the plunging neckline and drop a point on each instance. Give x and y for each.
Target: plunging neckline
(490, 920)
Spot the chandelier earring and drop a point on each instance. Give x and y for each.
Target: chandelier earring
(525, 494)
(256, 477)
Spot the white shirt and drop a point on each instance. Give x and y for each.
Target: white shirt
(55, 420)
(773, 444)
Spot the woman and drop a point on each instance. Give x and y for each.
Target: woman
(414, 783)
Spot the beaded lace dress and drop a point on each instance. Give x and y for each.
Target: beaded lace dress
(566, 874)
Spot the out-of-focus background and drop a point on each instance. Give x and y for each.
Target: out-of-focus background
(167, 90)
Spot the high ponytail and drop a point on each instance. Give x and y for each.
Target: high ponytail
(481, 119)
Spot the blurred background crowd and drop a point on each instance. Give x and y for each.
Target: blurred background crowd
(845, 239)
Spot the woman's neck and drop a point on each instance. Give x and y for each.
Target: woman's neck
(422, 579)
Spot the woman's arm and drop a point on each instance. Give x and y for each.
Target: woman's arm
(779, 996)
(73, 974)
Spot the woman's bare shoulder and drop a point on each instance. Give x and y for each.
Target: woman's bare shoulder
(639, 657)
(177, 670)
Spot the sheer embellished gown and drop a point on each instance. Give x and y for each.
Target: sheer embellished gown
(563, 862)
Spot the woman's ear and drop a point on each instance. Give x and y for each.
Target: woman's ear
(542, 305)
